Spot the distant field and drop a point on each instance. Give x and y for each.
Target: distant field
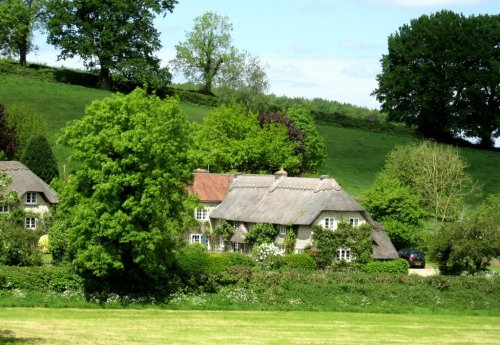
(355, 156)
(150, 326)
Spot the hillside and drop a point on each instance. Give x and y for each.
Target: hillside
(355, 156)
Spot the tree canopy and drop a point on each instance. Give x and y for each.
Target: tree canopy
(18, 20)
(40, 159)
(442, 75)
(109, 34)
(208, 57)
(8, 142)
(125, 201)
(433, 172)
(231, 138)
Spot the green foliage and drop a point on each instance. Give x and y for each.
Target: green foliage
(469, 245)
(441, 75)
(231, 138)
(44, 244)
(398, 209)
(125, 201)
(261, 233)
(225, 230)
(41, 278)
(18, 20)
(301, 261)
(193, 258)
(206, 51)
(18, 245)
(433, 172)
(28, 123)
(290, 240)
(314, 156)
(8, 144)
(114, 35)
(327, 243)
(40, 159)
(399, 266)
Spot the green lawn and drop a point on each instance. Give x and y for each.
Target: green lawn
(154, 326)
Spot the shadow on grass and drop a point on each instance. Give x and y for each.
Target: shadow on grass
(8, 337)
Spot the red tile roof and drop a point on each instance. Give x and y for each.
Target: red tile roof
(210, 187)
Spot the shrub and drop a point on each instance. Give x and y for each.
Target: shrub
(193, 258)
(303, 261)
(43, 244)
(239, 259)
(261, 233)
(40, 159)
(264, 251)
(399, 266)
(41, 278)
(19, 246)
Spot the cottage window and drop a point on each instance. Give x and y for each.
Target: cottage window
(195, 238)
(354, 221)
(329, 223)
(201, 213)
(282, 230)
(4, 208)
(344, 254)
(30, 198)
(30, 223)
(221, 242)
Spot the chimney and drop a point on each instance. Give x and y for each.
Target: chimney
(200, 171)
(278, 175)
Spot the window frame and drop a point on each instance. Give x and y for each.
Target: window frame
(282, 230)
(201, 214)
(31, 198)
(4, 209)
(329, 223)
(354, 221)
(196, 235)
(30, 223)
(344, 254)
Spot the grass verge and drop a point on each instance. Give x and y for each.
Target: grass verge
(77, 326)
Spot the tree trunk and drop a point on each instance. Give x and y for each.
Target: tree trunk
(23, 49)
(105, 78)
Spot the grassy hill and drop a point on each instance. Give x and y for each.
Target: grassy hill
(355, 156)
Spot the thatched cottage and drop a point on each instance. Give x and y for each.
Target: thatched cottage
(293, 201)
(35, 195)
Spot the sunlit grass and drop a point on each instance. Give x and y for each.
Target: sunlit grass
(84, 326)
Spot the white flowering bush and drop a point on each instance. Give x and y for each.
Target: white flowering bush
(264, 251)
(43, 244)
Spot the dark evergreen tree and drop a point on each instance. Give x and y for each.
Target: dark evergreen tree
(38, 156)
(7, 135)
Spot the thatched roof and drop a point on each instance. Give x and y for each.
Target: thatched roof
(24, 180)
(239, 235)
(382, 247)
(282, 200)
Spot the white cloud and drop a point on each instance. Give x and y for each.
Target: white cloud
(344, 80)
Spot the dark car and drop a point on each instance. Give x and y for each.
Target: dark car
(415, 257)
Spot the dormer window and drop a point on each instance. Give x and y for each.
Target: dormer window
(30, 198)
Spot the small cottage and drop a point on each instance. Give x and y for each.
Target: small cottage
(36, 197)
(298, 202)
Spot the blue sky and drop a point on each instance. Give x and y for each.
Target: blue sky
(311, 48)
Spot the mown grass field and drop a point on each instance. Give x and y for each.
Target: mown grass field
(355, 156)
(155, 326)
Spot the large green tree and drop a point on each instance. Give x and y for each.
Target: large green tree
(38, 156)
(442, 75)
(125, 202)
(18, 20)
(110, 34)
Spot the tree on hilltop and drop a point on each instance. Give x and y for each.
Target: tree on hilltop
(109, 34)
(442, 76)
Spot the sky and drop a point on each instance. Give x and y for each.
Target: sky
(327, 49)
